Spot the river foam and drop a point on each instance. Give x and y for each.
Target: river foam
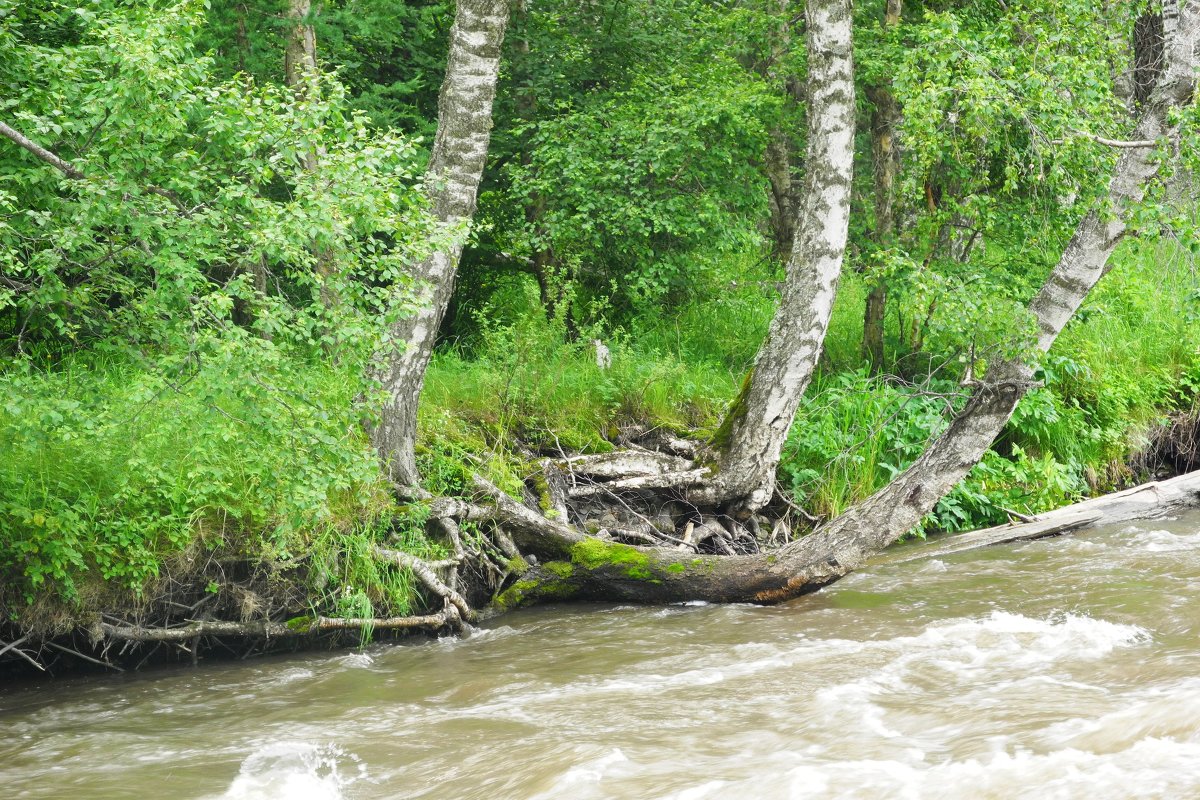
(295, 771)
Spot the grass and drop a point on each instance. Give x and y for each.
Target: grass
(114, 469)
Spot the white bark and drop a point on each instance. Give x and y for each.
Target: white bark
(757, 425)
(846, 542)
(455, 170)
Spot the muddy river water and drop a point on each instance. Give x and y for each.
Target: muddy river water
(1065, 668)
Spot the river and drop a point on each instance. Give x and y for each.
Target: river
(1064, 668)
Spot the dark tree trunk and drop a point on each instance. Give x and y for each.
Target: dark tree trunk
(300, 70)
(885, 119)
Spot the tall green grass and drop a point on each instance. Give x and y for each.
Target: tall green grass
(113, 467)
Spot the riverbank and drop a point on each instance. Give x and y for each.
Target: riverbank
(117, 645)
(236, 486)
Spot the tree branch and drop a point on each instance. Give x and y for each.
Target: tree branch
(1136, 144)
(68, 169)
(21, 140)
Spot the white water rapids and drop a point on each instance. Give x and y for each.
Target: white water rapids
(1065, 668)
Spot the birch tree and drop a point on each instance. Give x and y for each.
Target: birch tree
(455, 169)
(751, 439)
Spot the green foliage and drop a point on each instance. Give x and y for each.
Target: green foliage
(853, 434)
(391, 54)
(213, 216)
(175, 384)
(524, 385)
(628, 143)
(997, 485)
(111, 466)
(345, 577)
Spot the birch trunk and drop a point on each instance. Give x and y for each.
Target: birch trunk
(899, 507)
(885, 119)
(752, 436)
(455, 169)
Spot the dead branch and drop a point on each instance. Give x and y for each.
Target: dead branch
(1137, 144)
(528, 525)
(16, 648)
(627, 464)
(269, 630)
(665, 480)
(77, 654)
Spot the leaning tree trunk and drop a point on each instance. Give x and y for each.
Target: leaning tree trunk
(584, 567)
(751, 438)
(885, 119)
(455, 169)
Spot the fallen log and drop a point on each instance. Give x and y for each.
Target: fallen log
(1147, 501)
(575, 566)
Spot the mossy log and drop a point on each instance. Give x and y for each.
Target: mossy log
(583, 567)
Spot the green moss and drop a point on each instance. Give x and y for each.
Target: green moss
(641, 574)
(542, 487)
(560, 568)
(525, 591)
(300, 624)
(737, 410)
(676, 569)
(517, 565)
(596, 554)
(515, 595)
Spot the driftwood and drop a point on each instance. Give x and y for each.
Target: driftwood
(1147, 501)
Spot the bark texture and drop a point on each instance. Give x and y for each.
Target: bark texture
(455, 169)
(752, 436)
(899, 506)
(300, 55)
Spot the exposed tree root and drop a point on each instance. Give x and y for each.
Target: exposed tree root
(526, 557)
(425, 574)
